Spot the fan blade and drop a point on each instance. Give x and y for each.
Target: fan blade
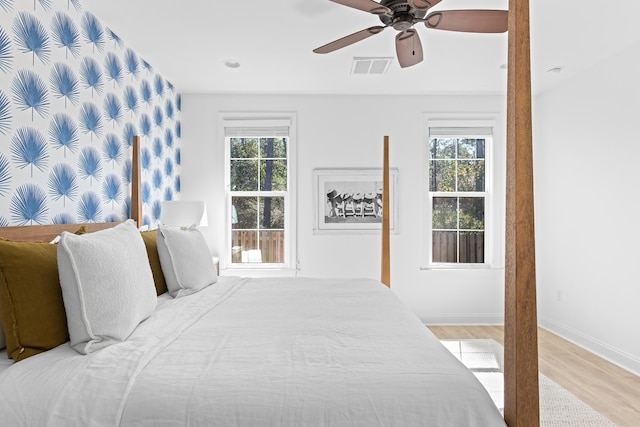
(408, 48)
(423, 4)
(350, 39)
(468, 21)
(366, 5)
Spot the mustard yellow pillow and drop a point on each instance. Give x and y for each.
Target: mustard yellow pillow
(150, 239)
(31, 306)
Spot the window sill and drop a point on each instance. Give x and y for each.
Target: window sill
(463, 267)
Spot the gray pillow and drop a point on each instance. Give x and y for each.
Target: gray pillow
(186, 261)
(107, 285)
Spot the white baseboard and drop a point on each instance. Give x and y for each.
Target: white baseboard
(595, 346)
(463, 319)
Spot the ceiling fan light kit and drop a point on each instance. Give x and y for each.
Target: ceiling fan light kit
(402, 15)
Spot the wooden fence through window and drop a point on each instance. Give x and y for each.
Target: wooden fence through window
(271, 244)
(445, 246)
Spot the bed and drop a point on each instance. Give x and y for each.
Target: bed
(294, 352)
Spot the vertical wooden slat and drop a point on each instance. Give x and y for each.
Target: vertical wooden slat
(136, 199)
(521, 404)
(386, 247)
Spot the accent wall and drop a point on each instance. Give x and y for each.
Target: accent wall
(72, 96)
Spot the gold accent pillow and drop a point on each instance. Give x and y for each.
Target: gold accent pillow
(31, 306)
(150, 239)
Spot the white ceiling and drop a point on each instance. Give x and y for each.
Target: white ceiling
(188, 42)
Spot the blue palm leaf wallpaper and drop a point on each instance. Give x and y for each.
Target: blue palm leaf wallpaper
(7, 5)
(145, 159)
(92, 31)
(128, 133)
(156, 210)
(64, 83)
(72, 96)
(31, 36)
(89, 208)
(179, 102)
(63, 218)
(112, 149)
(168, 194)
(5, 113)
(158, 84)
(168, 138)
(5, 51)
(130, 100)
(113, 109)
(29, 205)
(145, 92)
(117, 41)
(111, 189)
(65, 34)
(63, 183)
(46, 4)
(157, 148)
(90, 119)
(89, 164)
(63, 133)
(158, 117)
(131, 63)
(29, 148)
(145, 125)
(113, 68)
(91, 75)
(5, 175)
(156, 179)
(30, 92)
(146, 193)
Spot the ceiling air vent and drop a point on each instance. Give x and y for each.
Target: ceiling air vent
(370, 65)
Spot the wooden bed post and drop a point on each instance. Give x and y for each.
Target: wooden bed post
(136, 200)
(386, 244)
(521, 402)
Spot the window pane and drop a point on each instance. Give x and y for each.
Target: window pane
(444, 213)
(244, 175)
(443, 175)
(471, 148)
(472, 213)
(273, 148)
(271, 212)
(471, 246)
(445, 246)
(244, 148)
(273, 175)
(442, 148)
(247, 212)
(471, 175)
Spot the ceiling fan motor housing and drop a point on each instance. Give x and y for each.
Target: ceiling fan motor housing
(403, 16)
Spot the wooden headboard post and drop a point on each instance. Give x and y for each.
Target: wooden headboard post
(136, 199)
(386, 244)
(521, 401)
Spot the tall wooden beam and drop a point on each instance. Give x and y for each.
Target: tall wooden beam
(386, 244)
(521, 403)
(136, 199)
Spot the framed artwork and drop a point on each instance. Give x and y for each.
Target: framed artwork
(350, 200)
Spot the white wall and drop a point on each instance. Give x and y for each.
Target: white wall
(347, 131)
(586, 150)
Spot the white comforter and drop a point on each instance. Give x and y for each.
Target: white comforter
(257, 352)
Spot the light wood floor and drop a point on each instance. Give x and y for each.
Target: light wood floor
(610, 390)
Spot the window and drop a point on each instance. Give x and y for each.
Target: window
(458, 166)
(259, 178)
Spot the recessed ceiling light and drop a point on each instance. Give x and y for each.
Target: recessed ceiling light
(555, 70)
(231, 63)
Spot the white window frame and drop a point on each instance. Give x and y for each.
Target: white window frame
(262, 120)
(490, 232)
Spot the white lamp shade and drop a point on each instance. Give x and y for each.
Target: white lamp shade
(184, 213)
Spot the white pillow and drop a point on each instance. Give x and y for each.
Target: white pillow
(185, 259)
(107, 285)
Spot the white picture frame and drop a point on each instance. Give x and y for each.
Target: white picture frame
(350, 200)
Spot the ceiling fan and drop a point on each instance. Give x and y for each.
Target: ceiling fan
(402, 15)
